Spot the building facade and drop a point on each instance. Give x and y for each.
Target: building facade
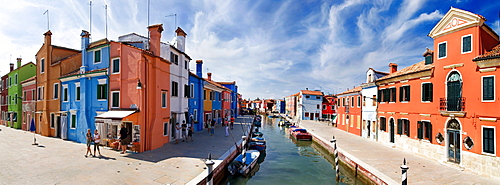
(349, 111)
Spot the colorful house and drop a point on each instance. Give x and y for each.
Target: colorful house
(309, 104)
(369, 126)
(15, 93)
(328, 107)
(4, 92)
(29, 102)
(349, 111)
(291, 105)
(196, 97)
(232, 98)
(84, 92)
(52, 62)
(215, 92)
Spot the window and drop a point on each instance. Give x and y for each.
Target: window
(428, 59)
(191, 91)
(404, 93)
(174, 58)
(164, 99)
(56, 90)
(317, 106)
(15, 80)
(165, 128)
(427, 92)
(42, 65)
(185, 64)
(374, 103)
(175, 89)
(115, 99)
(404, 127)
(195, 114)
(306, 114)
(333, 107)
(467, 44)
(73, 120)
(442, 50)
(488, 91)
(489, 140)
(116, 66)
(307, 96)
(40, 95)
(52, 120)
(392, 96)
(102, 92)
(77, 91)
(33, 95)
(211, 95)
(97, 56)
(318, 97)
(24, 96)
(352, 101)
(359, 101)
(186, 91)
(10, 81)
(324, 107)
(15, 99)
(65, 92)
(424, 129)
(383, 124)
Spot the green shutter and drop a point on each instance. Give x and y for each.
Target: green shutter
(488, 85)
(428, 127)
(99, 92)
(442, 50)
(420, 129)
(400, 126)
(378, 95)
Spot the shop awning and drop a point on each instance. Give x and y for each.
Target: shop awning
(115, 114)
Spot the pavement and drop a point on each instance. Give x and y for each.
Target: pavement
(57, 161)
(386, 160)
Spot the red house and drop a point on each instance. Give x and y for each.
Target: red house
(349, 111)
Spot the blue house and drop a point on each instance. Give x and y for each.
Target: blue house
(85, 92)
(196, 97)
(234, 96)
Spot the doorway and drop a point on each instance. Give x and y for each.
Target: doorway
(454, 138)
(58, 126)
(391, 130)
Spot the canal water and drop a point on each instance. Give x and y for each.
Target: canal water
(288, 161)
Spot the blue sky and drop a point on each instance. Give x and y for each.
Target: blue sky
(272, 49)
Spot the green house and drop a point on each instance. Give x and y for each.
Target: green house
(15, 92)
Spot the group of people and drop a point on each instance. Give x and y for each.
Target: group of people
(228, 124)
(183, 132)
(95, 139)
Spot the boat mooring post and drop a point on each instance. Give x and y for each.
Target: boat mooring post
(209, 164)
(404, 177)
(336, 155)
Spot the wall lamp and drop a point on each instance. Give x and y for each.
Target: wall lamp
(139, 84)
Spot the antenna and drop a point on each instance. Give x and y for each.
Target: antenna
(47, 12)
(175, 20)
(106, 8)
(90, 7)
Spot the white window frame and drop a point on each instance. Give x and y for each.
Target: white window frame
(113, 99)
(166, 125)
(164, 94)
(71, 120)
(404, 101)
(102, 82)
(446, 52)
(54, 91)
(93, 56)
(462, 44)
(42, 66)
(113, 66)
(191, 90)
(16, 80)
(422, 91)
(195, 115)
(65, 86)
(494, 87)
(494, 141)
(77, 85)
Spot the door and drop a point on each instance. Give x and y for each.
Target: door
(368, 128)
(454, 146)
(391, 130)
(454, 92)
(58, 126)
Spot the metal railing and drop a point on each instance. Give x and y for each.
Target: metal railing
(452, 104)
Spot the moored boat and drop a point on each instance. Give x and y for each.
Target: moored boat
(244, 163)
(257, 143)
(300, 134)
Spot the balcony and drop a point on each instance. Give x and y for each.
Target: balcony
(453, 107)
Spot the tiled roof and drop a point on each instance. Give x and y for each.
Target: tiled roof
(319, 93)
(75, 72)
(29, 79)
(494, 53)
(356, 89)
(216, 84)
(420, 66)
(227, 83)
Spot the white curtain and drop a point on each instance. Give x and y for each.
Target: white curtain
(102, 129)
(64, 127)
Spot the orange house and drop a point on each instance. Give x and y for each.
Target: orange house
(52, 62)
(141, 86)
(349, 110)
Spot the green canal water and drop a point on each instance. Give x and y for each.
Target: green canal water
(288, 161)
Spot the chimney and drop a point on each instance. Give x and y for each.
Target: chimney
(393, 68)
(11, 66)
(181, 39)
(209, 76)
(428, 55)
(199, 65)
(155, 38)
(19, 62)
(85, 44)
(48, 38)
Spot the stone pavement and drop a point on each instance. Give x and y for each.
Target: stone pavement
(57, 161)
(387, 160)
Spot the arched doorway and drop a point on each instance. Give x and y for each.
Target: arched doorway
(391, 129)
(453, 140)
(454, 92)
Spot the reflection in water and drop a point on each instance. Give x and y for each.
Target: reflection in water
(288, 161)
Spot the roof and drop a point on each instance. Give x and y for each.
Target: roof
(318, 93)
(216, 84)
(98, 43)
(227, 83)
(380, 72)
(29, 79)
(494, 53)
(420, 66)
(76, 72)
(356, 89)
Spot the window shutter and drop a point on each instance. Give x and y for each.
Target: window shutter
(420, 130)
(400, 127)
(400, 94)
(105, 93)
(428, 126)
(430, 92)
(407, 93)
(407, 127)
(99, 92)
(386, 95)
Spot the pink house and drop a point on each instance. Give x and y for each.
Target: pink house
(29, 102)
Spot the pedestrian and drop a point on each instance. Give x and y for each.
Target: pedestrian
(232, 123)
(184, 130)
(123, 138)
(190, 134)
(212, 125)
(88, 135)
(97, 140)
(227, 128)
(177, 132)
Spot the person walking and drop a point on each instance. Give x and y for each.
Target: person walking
(190, 134)
(232, 123)
(97, 140)
(123, 138)
(212, 126)
(177, 132)
(226, 127)
(184, 130)
(88, 135)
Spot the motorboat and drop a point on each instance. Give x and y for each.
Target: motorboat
(257, 143)
(300, 134)
(244, 163)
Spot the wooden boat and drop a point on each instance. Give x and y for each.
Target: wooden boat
(257, 121)
(300, 134)
(257, 143)
(244, 163)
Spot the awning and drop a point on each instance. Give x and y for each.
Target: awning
(115, 114)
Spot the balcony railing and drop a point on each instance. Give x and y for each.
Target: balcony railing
(452, 104)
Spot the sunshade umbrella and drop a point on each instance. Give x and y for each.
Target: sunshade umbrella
(33, 129)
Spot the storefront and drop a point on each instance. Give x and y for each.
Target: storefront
(108, 125)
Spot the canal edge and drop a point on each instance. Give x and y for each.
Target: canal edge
(368, 171)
